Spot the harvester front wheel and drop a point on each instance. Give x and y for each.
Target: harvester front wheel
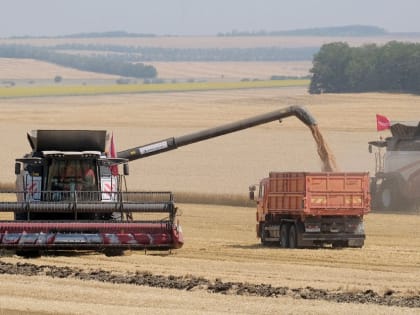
(389, 197)
(28, 253)
(112, 252)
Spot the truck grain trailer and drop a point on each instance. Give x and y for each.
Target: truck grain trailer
(69, 197)
(306, 209)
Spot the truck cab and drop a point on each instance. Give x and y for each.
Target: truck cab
(257, 193)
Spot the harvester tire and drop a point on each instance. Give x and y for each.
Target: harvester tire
(389, 196)
(28, 253)
(284, 235)
(293, 237)
(112, 252)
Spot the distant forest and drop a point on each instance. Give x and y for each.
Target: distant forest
(339, 68)
(129, 61)
(101, 64)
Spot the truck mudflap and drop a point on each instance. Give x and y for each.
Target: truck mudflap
(89, 235)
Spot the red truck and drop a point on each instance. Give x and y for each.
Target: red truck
(307, 209)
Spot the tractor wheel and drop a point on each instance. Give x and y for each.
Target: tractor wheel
(389, 196)
(284, 235)
(293, 237)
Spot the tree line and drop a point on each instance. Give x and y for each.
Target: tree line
(97, 63)
(393, 67)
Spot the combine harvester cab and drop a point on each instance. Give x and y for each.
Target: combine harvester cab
(70, 197)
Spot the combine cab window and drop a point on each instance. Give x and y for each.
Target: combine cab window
(72, 175)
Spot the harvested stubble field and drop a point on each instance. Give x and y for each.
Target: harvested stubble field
(223, 268)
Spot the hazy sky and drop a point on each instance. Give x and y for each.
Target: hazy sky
(200, 17)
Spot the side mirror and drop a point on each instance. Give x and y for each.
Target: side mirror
(126, 169)
(17, 168)
(370, 148)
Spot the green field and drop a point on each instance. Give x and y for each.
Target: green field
(61, 90)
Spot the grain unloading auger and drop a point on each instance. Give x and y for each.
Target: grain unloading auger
(70, 196)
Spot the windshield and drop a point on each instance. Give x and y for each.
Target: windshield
(72, 174)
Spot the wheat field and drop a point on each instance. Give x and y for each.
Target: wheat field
(347, 122)
(221, 244)
(220, 241)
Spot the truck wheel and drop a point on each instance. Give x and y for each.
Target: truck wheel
(263, 234)
(293, 240)
(284, 235)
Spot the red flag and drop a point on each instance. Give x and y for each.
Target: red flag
(113, 154)
(382, 123)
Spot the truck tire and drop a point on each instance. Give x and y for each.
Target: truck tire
(284, 235)
(263, 234)
(293, 237)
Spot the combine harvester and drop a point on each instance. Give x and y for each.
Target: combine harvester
(396, 184)
(70, 197)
